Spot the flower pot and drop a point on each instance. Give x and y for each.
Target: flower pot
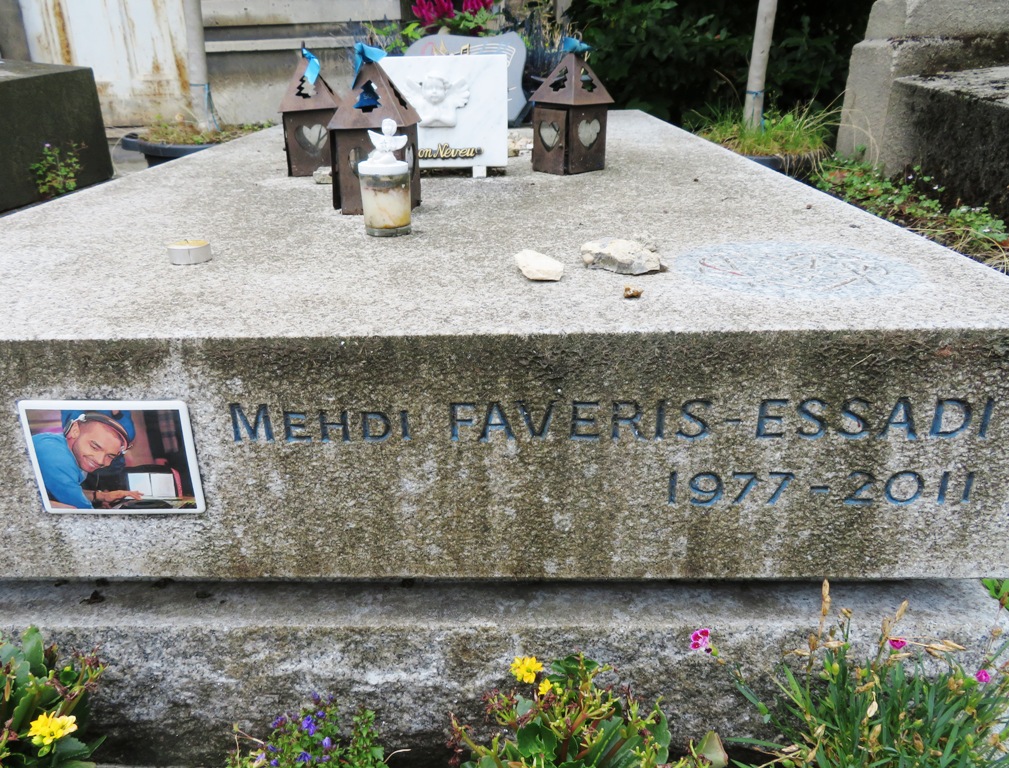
(797, 166)
(159, 153)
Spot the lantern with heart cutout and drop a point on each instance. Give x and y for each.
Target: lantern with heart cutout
(373, 98)
(569, 120)
(308, 106)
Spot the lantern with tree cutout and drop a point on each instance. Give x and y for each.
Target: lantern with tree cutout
(569, 120)
(307, 109)
(373, 98)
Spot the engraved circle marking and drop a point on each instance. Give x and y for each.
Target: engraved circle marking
(815, 270)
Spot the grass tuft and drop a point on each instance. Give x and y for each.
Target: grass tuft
(802, 130)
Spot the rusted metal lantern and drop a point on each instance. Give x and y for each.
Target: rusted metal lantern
(373, 98)
(307, 108)
(569, 120)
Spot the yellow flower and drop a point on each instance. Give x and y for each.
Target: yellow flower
(525, 668)
(545, 687)
(47, 728)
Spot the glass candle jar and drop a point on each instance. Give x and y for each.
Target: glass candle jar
(385, 197)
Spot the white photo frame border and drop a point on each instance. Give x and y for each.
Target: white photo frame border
(188, 443)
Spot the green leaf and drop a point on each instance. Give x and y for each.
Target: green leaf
(69, 748)
(34, 651)
(660, 731)
(609, 732)
(535, 740)
(711, 749)
(487, 761)
(24, 710)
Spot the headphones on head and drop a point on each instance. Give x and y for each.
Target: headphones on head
(108, 421)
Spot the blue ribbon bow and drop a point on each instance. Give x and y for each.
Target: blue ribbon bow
(312, 70)
(365, 53)
(573, 45)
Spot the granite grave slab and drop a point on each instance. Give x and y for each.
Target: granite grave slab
(805, 391)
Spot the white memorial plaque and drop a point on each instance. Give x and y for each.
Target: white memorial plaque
(463, 107)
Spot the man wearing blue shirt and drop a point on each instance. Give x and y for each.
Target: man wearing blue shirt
(90, 441)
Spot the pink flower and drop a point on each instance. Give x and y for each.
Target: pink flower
(897, 643)
(425, 12)
(982, 676)
(700, 638)
(475, 6)
(445, 9)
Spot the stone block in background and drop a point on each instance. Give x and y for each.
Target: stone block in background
(958, 122)
(47, 103)
(905, 39)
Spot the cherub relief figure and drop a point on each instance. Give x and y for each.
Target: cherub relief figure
(436, 99)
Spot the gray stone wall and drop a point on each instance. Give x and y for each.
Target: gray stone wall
(905, 38)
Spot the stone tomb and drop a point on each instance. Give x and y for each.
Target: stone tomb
(805, 392)
(54, 104)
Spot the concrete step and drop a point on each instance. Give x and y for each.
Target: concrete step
(186, 660)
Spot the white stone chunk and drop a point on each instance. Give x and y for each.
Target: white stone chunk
(539, 266)
(628, 257)
(323, 175)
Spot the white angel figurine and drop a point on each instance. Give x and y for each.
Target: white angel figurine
(386, 143)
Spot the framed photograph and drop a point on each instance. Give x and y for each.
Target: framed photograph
(113, 456)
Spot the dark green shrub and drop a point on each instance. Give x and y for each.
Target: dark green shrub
(668, 57)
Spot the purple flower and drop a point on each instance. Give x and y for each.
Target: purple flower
(308, 725)
(271, 748)
(982, 676)
(279, 722)
(325, 758)
(275, 762)
(304, 757)
(897, 643)
(47, 145)
(327, 743)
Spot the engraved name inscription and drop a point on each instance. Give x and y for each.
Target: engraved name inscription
(594, 421)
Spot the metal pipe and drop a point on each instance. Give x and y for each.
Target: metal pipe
(196, 63)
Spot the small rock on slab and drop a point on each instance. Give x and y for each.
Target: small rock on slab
(538, 266)
(323, 175)
(627, 257)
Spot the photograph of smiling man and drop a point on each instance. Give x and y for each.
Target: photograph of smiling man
(112, 456)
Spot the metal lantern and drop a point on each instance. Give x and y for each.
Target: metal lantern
(569, 120)
(307, 110)
(373, 99)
